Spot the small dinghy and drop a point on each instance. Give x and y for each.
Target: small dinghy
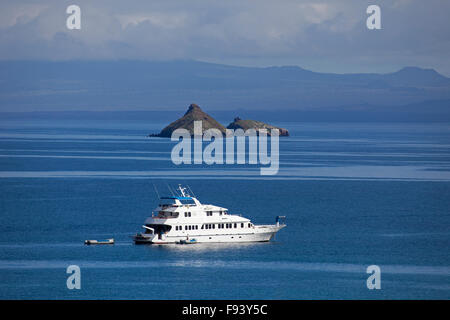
(107, 241)
(190, 241)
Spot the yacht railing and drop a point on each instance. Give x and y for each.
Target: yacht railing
(164, 217)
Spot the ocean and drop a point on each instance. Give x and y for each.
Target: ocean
(354, 195)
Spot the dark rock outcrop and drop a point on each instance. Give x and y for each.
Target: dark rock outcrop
(238, 123)
(194, 113)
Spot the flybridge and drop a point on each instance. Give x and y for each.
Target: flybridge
(182, 199)
(178, 198)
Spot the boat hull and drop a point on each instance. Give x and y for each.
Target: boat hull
(258, 235)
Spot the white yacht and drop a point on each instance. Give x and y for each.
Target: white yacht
(183, 219)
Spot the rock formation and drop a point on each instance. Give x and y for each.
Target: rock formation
(194, 113)
(238, 123)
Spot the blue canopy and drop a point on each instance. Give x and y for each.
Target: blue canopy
(179, 198)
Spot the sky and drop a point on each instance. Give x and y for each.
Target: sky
(324, 36)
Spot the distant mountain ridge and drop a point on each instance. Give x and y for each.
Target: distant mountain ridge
(146, 85)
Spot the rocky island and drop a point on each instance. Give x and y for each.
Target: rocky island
(238, 123)
(195, 113)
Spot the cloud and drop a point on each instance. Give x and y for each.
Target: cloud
(315, 34)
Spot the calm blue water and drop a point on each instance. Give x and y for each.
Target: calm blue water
(354, 195)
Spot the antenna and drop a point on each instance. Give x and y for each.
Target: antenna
(182, 191)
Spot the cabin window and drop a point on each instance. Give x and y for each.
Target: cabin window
(209, 213)
(187, 202)
(220, 213)
(235, 225)
(249, 225)
(242, 225)
(214, 226)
